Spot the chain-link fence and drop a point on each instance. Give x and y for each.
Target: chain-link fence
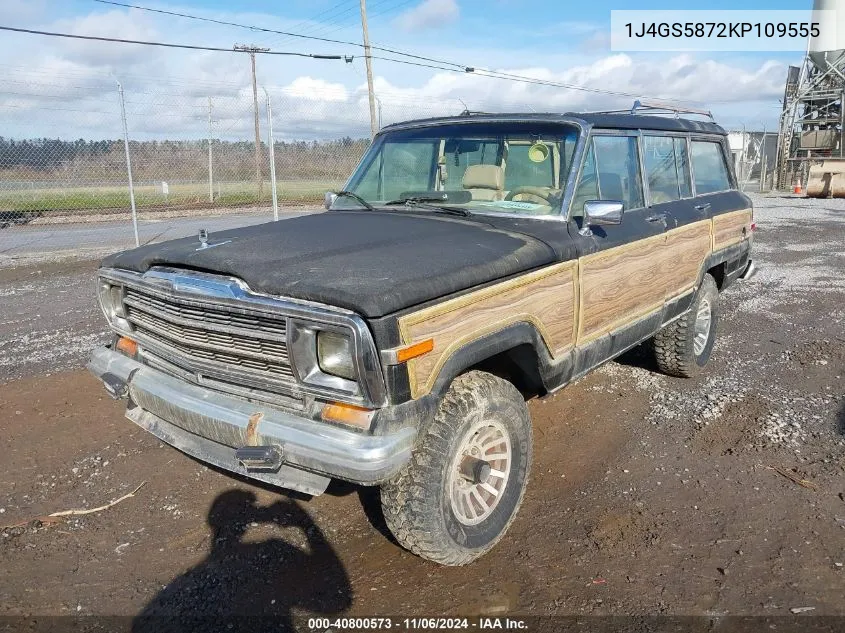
(129, 167)
(93, 164)
(754, 156)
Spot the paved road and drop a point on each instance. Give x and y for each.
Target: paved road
(40, 242)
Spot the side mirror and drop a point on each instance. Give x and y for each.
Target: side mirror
(328, 199)
(603, 212)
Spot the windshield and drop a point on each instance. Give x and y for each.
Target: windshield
(515, 168)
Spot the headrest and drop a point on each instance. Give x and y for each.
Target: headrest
(611, 186)
(484, 177)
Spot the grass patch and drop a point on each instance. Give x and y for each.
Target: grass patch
(50, 200)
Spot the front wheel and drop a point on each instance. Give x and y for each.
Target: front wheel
(684, 346)
(466, 478)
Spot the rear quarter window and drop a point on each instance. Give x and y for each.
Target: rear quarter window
(709, 168)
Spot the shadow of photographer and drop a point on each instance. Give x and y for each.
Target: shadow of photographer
(241, 583)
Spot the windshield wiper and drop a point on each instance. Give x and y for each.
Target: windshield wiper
(357, 198)
(425, 203)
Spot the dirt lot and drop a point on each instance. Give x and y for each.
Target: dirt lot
(649, 495)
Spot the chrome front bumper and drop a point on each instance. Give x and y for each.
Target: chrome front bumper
(211, 426)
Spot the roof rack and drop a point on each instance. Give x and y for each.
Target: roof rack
(659, 108)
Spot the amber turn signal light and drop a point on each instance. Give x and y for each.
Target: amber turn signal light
(347, 414)
(412, 351)
(127, 346)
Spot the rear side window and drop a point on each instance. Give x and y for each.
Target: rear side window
(666, 168)
(708, 165)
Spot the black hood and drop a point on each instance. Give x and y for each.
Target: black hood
(372, 262)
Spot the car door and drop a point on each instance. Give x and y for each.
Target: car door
(716, 197)
(621, 267)
(669, 194)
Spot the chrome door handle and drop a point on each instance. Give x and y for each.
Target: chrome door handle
(657, 218)
(703, 207)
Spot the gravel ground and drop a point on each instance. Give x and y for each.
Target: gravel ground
(650, 495)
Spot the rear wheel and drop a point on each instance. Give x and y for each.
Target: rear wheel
(465, 482)
(684, 346)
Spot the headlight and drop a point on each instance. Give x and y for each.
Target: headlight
(323, 356)
(334, 354)
(111, 301)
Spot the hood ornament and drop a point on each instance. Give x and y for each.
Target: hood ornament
(203, 237)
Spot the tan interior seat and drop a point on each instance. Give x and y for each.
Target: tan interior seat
(659, 197)
(485, 182)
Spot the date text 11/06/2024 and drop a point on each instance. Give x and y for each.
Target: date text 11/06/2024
(417, 624)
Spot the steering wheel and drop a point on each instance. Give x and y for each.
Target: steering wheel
(544, 193)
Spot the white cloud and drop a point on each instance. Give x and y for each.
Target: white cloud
(54, 88)
(428, 14)
(131, 25)
(310, 88)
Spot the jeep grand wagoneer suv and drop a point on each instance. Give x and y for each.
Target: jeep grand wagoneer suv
(472, 262)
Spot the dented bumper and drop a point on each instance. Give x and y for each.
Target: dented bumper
(212, 426)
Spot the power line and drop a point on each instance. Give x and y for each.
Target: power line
(311, 26)
(493, 74)
(433, 63)
(424, 62)
(468, 69)
(266, 30)
(336, 23)
(398, 5)
(164, 44)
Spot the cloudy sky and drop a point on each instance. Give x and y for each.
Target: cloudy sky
(67, 88)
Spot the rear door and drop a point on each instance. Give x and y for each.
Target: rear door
(668, 180)
(669, 191)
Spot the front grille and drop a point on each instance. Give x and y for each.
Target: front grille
(210, 340)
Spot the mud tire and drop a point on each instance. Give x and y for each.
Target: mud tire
(417, 502)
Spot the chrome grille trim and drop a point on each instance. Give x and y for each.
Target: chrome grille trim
(211, 340)
(214, 326)
(242, 391)
(275, 331)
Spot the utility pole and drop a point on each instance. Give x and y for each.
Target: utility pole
(128, 163)
(252, 50)
(369, 60)
(210, 161)
(272, 143)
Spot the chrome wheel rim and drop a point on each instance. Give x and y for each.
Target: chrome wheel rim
(703, 321)
(473, 501)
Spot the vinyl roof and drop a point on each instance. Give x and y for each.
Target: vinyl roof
(596, 119)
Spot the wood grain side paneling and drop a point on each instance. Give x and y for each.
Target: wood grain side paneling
(619, 284)
(545, 298)
(623, 284)
(686, 249)
(728, 228)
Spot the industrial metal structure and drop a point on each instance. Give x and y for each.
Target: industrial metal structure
(811, 146)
